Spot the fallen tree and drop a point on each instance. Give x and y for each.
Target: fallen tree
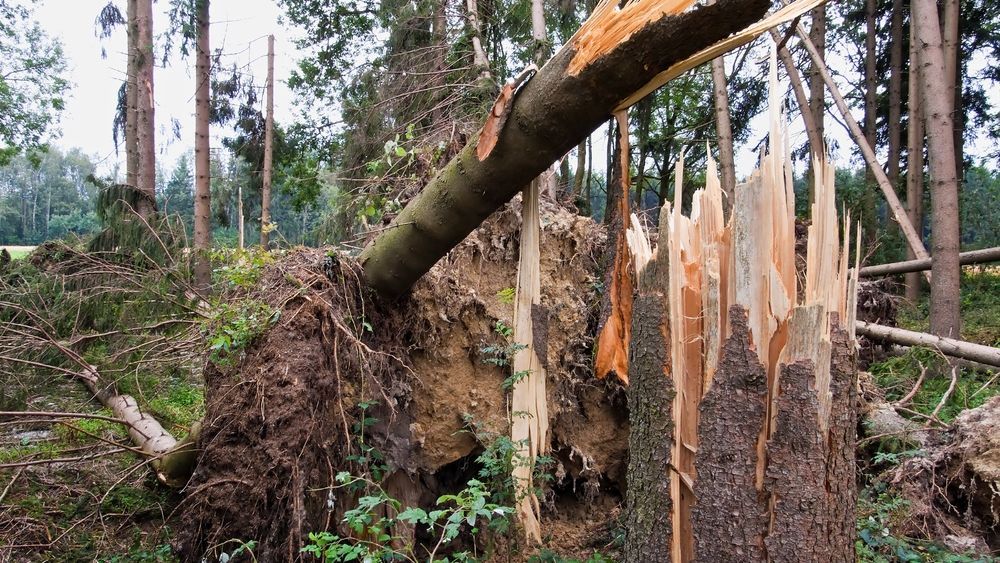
(569, 97)
(947, 346)
(966, 258)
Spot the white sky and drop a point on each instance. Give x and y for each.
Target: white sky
(239, 28)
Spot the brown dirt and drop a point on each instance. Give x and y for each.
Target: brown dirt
(282, 423)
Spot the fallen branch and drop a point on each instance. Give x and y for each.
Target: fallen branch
(921, 265)
(947, 346)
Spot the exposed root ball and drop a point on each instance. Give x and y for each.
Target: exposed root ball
(283, 422)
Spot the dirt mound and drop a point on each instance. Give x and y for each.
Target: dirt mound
(954, 490)
(285, 419)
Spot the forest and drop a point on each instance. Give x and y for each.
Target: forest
(501, 280)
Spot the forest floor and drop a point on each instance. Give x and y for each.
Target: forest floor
(102, 503)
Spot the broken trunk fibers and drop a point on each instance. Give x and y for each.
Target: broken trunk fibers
(613, 337)
(529, 417)
(757, 405)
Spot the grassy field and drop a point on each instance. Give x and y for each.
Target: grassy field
(19, 251)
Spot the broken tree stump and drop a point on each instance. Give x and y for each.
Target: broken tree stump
(750, 415)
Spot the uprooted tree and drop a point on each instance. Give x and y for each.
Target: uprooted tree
(741, 396)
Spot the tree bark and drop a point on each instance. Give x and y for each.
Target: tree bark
(895, 91)
(202, 164)
(870, 120)
(265, 214)
(582, 199)
(132, 99)
(651, 439)
(145, 113)
(817, 93)
(915, 163)
(950, 40)
(972, 257)
(947, 346)
(945, 316)
(552, 113)
(479, 57)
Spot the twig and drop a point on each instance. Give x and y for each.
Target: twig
(28, 414)
(62, 459)
(6, 489)
(987, 384)
(916, 387)
(947, 394)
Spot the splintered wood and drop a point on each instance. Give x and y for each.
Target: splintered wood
(761, 460)
(529, 413)
(610, 25)
(613, 338)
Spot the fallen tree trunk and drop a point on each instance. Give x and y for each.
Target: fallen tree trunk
(972, 257)
(947, 346)
(898, 212)
(172, 460)
(550, 115)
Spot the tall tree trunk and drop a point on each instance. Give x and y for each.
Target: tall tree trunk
(538, 35)
(808, 117)
(950, 40)
(915, 163)
(480, 59)
(553, 111)
(145, 118)
(132, 98)
(868, 219)
(817, 96)
(265, 206)
(945, 319)
(913, 240)
(582, 201)
(643, 115)
(202, 163)
(895, 91)
(723, 129)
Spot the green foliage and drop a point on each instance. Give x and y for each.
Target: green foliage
(32, 83)
(549, 556)
(466, 510)
(57, 181)
(498, 459)
(897, 375)
(502, 355)
(232, 326)
(240, 268)
(506, 295)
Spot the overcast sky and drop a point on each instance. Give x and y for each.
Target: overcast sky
(239, 28)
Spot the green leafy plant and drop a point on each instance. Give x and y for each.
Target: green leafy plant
(233, 326)
(376, 534)
(879, 511)
(502, 355)
(506, 295)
